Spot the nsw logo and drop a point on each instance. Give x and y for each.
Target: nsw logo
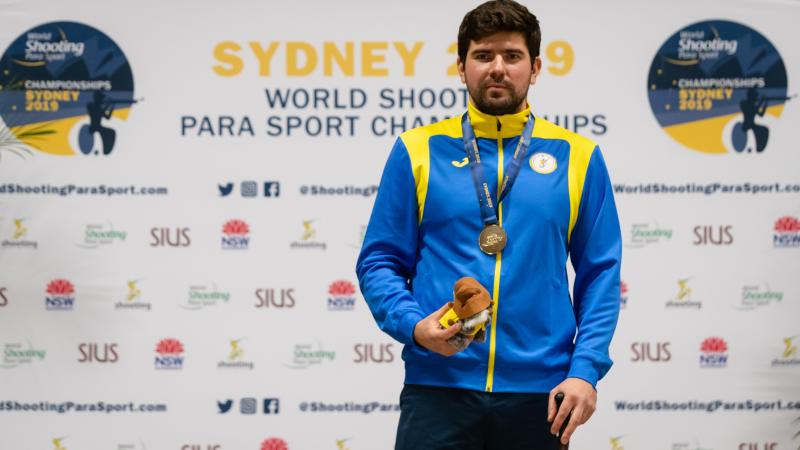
(341, 296)
(713, 352)
(60, 295)
(274, 443)
(787, 232)
(235, 235)
(169, 354)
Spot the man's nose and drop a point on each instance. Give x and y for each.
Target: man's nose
(497, 67)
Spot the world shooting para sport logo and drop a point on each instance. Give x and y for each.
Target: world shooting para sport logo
(65, 89)
(718, 87)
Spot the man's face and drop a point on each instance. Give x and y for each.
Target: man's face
(498, 71)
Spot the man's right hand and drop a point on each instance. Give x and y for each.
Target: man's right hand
(429, 334)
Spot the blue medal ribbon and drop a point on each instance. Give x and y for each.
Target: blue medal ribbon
(488, 212)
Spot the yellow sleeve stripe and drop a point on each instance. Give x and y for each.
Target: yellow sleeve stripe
(580, 152)
(417, 142)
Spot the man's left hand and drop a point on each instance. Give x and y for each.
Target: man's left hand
(580, 399)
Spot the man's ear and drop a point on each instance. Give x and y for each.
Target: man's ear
(536, 69)
(460, 66)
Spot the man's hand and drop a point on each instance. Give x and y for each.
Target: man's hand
(580, 399)
(429, 334)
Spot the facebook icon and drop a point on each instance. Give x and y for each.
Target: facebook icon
(271, 406)
(272, 189)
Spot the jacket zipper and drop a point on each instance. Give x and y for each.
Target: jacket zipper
(498, 261)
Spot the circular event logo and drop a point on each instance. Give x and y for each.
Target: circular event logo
(62, 87)
(718, 87)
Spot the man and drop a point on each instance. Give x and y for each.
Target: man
(424, 235)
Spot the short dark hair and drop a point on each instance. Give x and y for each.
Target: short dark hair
(497, 16)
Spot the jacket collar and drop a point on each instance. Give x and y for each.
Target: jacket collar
(486, 125)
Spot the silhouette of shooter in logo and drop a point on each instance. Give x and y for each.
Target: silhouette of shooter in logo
(753, 105)
(99, 108)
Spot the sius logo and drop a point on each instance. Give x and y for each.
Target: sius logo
(713, 352)
(267, 299)
(651, 352)
(169, 354)
(91, 352)
(61, 295)
(373, 353)
(170, 237)
(235, 235)
(758, 446)
(711, 235)
(341, 296)
(787, 232)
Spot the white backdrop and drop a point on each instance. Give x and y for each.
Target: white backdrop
(159, 269)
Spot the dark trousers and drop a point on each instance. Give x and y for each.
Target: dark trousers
(435, 418)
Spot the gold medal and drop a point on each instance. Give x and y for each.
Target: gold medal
(492, 239)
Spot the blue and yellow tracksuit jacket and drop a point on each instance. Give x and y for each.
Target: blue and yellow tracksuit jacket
(423, 236)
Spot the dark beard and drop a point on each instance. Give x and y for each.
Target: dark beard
(510, 106)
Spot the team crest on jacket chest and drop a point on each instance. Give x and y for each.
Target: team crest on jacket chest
(543, 163)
